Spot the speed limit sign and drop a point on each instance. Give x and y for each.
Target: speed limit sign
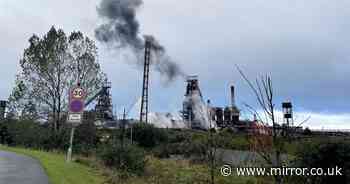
(77, 93)
(76, 100)
(75, 115)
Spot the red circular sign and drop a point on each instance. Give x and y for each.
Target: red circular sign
(77, 93)
(76, 101)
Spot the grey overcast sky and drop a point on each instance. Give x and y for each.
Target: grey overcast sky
(304, 45)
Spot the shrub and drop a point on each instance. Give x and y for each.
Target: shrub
(128, 158)
(5, 137)
(86, 139)
(175, 136)
(196, 150)
(25, 133)
(31, 134)
(324, 155)
(162, 151)
(307, 131)
(147, 136)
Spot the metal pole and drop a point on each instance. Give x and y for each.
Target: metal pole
(70, 149)
(131, 133)
(79, 73)
(123, 129)
(212, 151)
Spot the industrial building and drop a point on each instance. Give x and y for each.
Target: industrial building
(188, 114)
(103, 111)
(222, 117)
(227, 116)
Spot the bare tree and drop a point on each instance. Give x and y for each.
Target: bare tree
(263, 91)
(214, 142)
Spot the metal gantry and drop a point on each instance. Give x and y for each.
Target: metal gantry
(144, 101)
(104, 107)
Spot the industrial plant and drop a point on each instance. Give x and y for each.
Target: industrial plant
(194, 108)
(196, 113)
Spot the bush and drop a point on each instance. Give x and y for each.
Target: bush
(25, 133)
(196, 150)
(324, 155)
(307, 131)
(5, 137)
(128, 158)
(162, 151)
(175, 136)
(30, 134)
(147, 136)
(86, 139)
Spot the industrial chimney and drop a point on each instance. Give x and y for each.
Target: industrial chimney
(233, 104)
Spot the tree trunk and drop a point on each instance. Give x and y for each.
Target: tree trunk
(278, 178)
(53, 114)
(59, 96)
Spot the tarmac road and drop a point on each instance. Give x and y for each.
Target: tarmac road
(18, 169)
(240, 158)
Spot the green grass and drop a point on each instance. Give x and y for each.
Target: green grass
(58, 171)
(159, 171)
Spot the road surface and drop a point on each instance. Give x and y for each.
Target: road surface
(18, 169)
(242, 158)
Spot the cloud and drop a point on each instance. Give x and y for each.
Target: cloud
(322, 120)
(303, 45)
(312, 120)
(328, 121)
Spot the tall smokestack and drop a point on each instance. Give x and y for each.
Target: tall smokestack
(233, 104)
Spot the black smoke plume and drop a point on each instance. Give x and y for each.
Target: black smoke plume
(121, 30)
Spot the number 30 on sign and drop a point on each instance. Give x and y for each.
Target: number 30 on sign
(77, 93)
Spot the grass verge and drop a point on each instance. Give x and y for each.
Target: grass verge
(58, 171)
(158, 171)
(166, 171)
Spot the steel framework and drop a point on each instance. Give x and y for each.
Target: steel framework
(145, 91)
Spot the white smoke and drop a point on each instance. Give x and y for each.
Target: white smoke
(200, 111)
(159, 120)
(173, 120)
(166, 120)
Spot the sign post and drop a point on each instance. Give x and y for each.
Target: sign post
(75, 115)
